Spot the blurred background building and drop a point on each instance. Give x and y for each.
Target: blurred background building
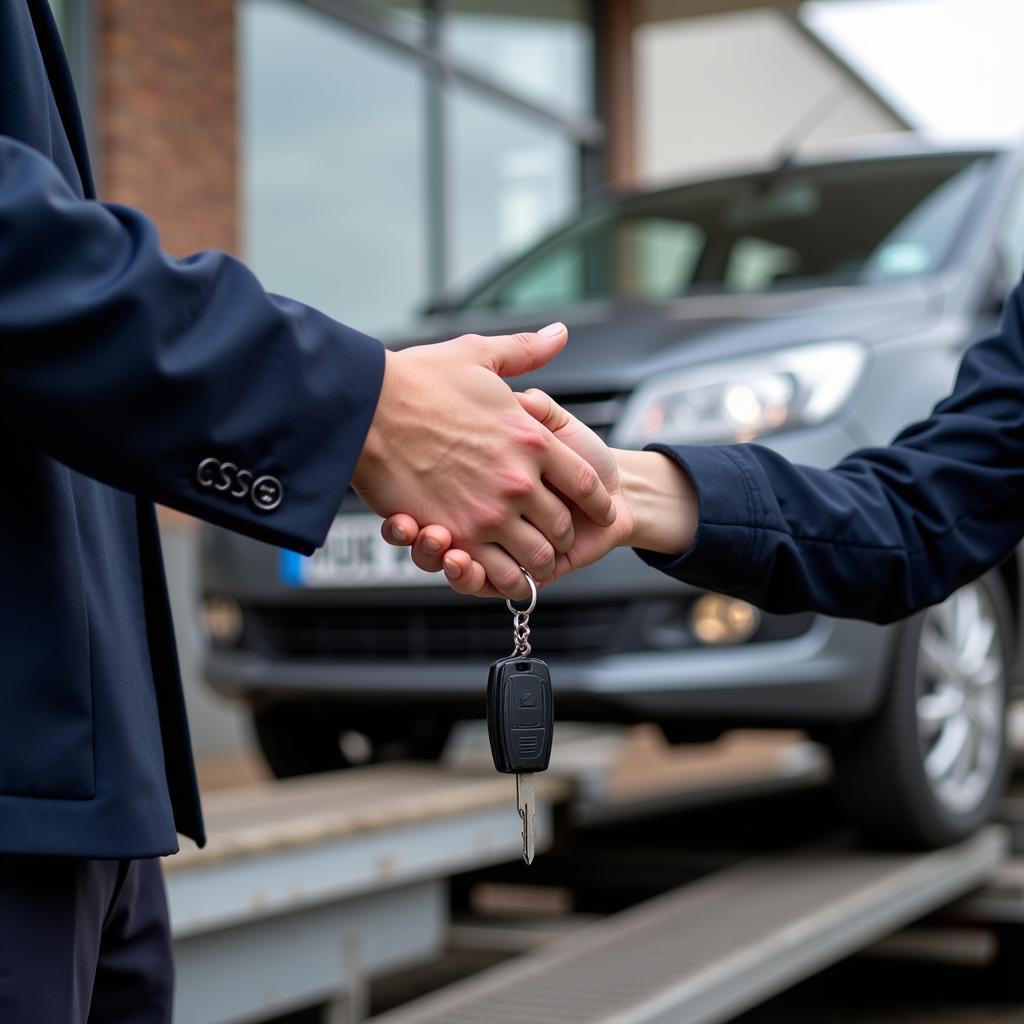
(369, 156)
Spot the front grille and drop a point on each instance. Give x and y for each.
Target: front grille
(395, 633)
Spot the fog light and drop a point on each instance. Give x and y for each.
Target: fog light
(222, 619)
(723, 620)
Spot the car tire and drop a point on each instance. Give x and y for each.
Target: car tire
(930, 766)
(300, 738)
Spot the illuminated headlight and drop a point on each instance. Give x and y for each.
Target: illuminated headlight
(222, 620)
(741, 399)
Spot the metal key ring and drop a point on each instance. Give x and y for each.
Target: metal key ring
(533, 596)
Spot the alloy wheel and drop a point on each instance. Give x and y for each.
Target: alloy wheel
(961, 680)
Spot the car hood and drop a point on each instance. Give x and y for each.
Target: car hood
(613, 346)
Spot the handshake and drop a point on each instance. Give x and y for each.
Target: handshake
(480, 480)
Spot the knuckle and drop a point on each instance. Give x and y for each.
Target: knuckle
(516, 483)
(525, 340)
(487, 516)
(507, 578)
(563, 524)
(532, 437)
(542, 561)
(587, 480)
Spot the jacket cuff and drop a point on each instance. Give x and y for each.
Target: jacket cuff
(339, 443)
(727, 518)
(308, 461)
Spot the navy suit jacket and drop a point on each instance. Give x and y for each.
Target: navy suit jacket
(128, 377)
(885, 532)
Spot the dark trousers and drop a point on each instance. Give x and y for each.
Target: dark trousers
(83, 942)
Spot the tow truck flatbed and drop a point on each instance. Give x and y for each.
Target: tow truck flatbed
(311, 888)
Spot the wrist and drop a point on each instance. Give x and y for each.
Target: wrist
(375, 445)
(662, 499)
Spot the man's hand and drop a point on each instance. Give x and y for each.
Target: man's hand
(657, 508)
(432, 546)
(450, 444)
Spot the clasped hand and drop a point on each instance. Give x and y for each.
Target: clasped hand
(450, 443)
(479, 480)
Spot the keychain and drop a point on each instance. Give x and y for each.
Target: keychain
(520, 718)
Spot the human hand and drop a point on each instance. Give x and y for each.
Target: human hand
(432, 546)
(657, 508)
(450, 444)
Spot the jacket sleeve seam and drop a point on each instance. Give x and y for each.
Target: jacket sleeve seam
(751, 506)
(910, 552)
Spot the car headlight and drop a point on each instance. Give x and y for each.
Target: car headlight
(744, 398)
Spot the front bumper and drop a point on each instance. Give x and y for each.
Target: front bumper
(833, 672)
(610, 660)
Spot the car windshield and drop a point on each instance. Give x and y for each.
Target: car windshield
(852, 223)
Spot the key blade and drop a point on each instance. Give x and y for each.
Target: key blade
(526, 800)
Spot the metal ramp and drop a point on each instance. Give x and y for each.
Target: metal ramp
(710, 950)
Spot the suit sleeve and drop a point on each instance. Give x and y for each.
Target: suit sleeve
(136, 369)
(885, 532)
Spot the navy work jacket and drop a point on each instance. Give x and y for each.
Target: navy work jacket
(885, 532)
(128, 377)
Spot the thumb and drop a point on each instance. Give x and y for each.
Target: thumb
(512, 354)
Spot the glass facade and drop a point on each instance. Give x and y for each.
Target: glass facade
(333, 194)
(69, 15)
(511, 179)
(393, 151)
(543, 49)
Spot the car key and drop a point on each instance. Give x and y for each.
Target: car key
(520, 718)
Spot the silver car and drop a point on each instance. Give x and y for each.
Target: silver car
(816, 307)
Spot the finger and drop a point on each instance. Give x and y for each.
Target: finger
(466, 576)
(399, 529)
(548, 513)
(503, 571)
(431, 544)
(574, 477)
(527, 546)
(512, 354)
(543, 408)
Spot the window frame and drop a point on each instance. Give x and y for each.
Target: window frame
(76, 21)
(586, 132)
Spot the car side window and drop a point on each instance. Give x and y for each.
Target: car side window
(1011, 235)
(656, 257)
(643, 257)
(556, 279)
(755, 264)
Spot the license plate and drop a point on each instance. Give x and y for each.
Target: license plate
(355, 555)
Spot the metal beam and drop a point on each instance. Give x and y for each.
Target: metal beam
(309, 886)
(669, 10)
(587, 131)
(284, 962)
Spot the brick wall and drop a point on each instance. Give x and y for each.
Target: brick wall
(168, 122)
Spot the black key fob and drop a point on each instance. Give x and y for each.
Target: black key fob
(520, 717)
